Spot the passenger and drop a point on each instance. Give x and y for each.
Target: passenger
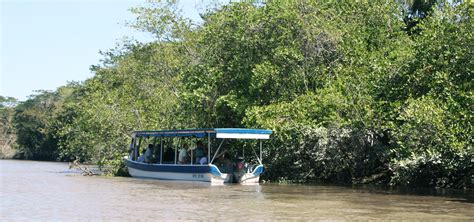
(199, 153)
(203, 159)
(239, 164)
(224, 163)
(183, 154)
(169, 155)
(149, 153)
(141, 158)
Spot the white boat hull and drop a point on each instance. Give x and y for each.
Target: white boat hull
(203, 177)
(205, 173)
(249, 178)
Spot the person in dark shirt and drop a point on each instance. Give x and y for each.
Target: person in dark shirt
(199, 152)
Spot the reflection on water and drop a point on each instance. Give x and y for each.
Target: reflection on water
(49, 191)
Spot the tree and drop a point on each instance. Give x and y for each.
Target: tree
(433, 132)
(7, 130)
(34, 125)
(351, 94)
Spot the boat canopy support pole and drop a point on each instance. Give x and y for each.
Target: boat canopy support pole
(192, 151)
(261, 157)
(154, 147)
(217, 151)
(131, 150)
(161, 150)
(208, 147)
(137, 148)
(176, 152)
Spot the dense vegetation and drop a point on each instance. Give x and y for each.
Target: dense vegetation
(370, 92)
(7, 131)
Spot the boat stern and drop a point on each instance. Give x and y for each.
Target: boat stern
(249, 176)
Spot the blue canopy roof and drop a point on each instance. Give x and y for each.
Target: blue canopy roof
(236, 133)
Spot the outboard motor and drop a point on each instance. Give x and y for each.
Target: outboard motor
(239, 168)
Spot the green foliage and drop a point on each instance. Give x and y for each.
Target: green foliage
(333, 154)
(429, 151)
(356, 92)
(252, 56)
(7, 130)
(138, 91)
(433, 124)
(35, 127)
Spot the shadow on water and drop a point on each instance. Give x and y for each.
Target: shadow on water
(454, 195)
(451, 195)
(465, 196)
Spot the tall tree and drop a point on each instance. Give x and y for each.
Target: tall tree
(7, 130)
(34, 126)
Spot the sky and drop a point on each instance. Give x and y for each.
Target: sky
(46, 43)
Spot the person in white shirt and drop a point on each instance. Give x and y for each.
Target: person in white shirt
(149, 153)
(146, 157)
(183, 154)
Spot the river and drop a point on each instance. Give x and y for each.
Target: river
(50, 191)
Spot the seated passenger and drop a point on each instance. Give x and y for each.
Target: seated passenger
(183, 154)
(169, 155)
(199, 152)
(224, 163)
(203, 160)
(149, 153)
(141, 158)
(239, 165)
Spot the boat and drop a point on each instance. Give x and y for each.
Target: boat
(168, 155)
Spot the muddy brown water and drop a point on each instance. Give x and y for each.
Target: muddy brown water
(50, 191)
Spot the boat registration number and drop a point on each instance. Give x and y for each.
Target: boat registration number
(198, 175)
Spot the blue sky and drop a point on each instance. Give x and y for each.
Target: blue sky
(45, 44)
